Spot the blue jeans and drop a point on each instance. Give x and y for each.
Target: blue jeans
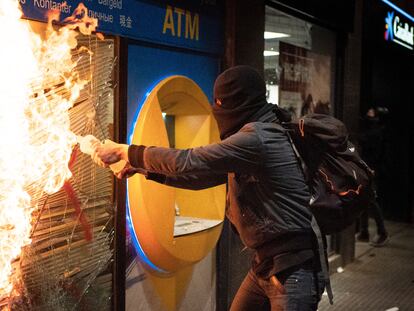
(296, 289)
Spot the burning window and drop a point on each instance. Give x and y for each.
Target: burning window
(56, 220)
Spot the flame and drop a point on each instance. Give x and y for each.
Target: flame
(38, 85)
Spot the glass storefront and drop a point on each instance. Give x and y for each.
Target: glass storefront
(299, 60)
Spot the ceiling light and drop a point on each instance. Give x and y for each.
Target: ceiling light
(270, 53)
(274, 35)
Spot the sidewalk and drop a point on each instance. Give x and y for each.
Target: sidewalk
(380, 278)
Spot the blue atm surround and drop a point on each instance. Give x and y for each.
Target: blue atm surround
(147, 66)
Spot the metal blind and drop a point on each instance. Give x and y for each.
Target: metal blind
(61, 269)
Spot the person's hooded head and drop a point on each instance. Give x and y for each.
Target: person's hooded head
(240, 98)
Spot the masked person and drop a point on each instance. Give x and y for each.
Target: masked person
(267, 199)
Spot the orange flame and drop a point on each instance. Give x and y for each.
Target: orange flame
(38, 85)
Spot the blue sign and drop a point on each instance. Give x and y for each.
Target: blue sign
(399, 27)
(189, 24)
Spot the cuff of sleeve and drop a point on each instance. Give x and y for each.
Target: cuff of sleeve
(136, 156)
(159, 178)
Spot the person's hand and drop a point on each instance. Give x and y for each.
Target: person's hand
(109, 152)
(128, 171)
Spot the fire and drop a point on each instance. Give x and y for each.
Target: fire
(38, 85)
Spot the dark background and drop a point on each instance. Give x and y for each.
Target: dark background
(388, 81)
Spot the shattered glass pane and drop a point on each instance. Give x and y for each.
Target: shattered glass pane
(68, 265)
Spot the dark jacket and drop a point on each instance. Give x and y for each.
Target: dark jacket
(371, 140)
(267, 199)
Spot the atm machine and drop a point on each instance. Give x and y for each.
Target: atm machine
(172, 230)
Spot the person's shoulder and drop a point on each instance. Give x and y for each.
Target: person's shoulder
(249, 127)
(249, 133)
(260, 127)
(262, 130)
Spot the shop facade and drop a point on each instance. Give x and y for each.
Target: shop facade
(150, 70)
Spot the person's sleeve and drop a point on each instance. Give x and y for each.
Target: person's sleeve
(191, 182)
(241, 152)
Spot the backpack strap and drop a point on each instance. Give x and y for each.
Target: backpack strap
(322, 258)
(295, 150)
(315, 227)
(302, 163)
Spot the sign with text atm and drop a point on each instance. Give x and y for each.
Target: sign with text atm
(189, 24)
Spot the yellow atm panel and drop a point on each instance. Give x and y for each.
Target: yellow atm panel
(174, 228)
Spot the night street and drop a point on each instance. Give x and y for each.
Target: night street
(379, 278)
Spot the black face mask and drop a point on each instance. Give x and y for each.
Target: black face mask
(240, 95)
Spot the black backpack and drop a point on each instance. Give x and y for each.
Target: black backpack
(340, 181)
